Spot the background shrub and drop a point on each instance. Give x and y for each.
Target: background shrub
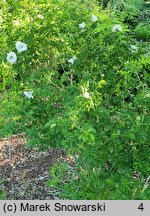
(142, 31)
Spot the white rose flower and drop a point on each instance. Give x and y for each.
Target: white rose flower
(86, 95)
(82, 25)
(94, 18)
(116, 28)
(40, 16)
(20, 46)
(133, 48)
(11, 57)
(28, 94)
(71, 60)
(16, 22)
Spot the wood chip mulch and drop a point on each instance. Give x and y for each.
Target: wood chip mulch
(25, 170)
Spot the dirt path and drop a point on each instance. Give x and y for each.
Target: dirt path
(25, 171)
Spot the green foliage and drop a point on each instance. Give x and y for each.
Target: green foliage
(128, 10)
(97, 107)
(2, 192)
(142, 31)
(117, 145)
(129, 6)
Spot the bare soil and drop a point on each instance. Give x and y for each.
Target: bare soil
(26, 170)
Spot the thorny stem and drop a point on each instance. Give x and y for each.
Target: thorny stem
(71, 79)
(140, 80)
(56, 85)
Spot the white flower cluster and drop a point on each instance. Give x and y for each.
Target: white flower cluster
(71, 60)
(86, 95)
(117, 27)
(82, 26)
(28, 94)
(40, 16)
(93, 19)
(11, 56)
(21, 47)
(133, 48)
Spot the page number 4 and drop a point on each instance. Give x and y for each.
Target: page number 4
(141, 207)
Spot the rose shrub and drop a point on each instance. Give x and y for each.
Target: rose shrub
(80, 82)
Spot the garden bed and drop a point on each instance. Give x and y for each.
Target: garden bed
(26, 171)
